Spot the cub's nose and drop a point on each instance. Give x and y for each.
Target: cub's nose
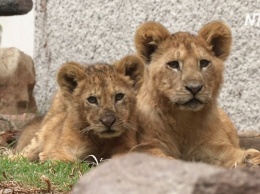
(108, 119)
(194, 89)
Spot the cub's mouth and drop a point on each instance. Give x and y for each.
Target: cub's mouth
(110, 133)
(194, 102)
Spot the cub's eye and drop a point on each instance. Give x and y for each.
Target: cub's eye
(204, 63)
(119, 96)
(173, 65)
(92, 100)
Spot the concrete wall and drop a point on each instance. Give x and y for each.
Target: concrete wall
(103, 30)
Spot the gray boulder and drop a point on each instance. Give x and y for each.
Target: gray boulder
(143, 174)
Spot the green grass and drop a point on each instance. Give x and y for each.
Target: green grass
(60, 176)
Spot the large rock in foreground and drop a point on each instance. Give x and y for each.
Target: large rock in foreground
(141, 174)
(17, 80)
(15, 7)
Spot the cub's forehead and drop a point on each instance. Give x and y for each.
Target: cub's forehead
(186, 39)
(183, 44)
(103, 79)
(102, 74)
(99, 69)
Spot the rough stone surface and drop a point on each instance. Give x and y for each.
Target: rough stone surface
(17, 80)
(250, 139)
(15, 7)
(140, 173)
(230, 182)
(14, 122)
(103, 30)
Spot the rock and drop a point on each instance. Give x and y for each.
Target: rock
(139, 173)
(11, 127)
(250, 139)
(14, 122)
(230, 182)
(17, 80)
(15, 7)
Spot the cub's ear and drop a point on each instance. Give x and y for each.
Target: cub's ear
(69, 75)
(147, 38)
(218, 36)
(133, 67)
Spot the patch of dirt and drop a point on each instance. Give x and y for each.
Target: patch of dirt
(13, 187)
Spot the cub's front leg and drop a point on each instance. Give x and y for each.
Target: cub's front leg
(66, 149)
(155, 149)
(57, 155)
(242, 158)
(228, 156)
(31, 151)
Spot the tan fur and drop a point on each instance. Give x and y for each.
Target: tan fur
(76, 126)
(28, 133)
(179, 114)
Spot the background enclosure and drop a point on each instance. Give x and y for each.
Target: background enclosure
(103, 30)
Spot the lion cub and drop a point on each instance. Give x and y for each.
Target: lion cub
(93, 113)
(179, 113)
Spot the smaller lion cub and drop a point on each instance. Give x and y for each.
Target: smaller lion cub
(93, 113)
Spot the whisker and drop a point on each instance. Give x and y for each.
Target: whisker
(126, 125)
(87, 130)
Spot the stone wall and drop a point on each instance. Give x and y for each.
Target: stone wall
(103, 30)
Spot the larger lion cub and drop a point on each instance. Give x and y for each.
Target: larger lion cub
(93, 113)
(178, 101)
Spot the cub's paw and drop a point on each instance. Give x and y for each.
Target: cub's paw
(251, 158)
(43, 157)
(56, 156)
(16, 157)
